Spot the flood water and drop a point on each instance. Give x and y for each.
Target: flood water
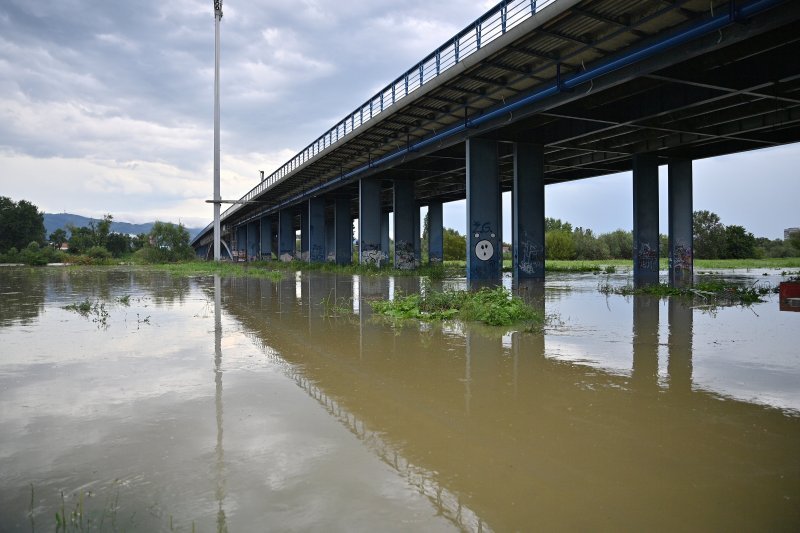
(252, 405)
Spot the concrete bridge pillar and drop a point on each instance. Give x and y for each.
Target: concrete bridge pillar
(385, 235)
(681, 247)
(286, 236)
(404, 256)
(484, 212)
(343, 234)
(527, 212)
(435, 233)
(241, 239)
(370, 251)
(253, 239)
(330, 240)
(266, 238)
(417, 239)
(645, 219)
(316, 229)
(304, 234)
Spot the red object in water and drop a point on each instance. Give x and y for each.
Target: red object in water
(789, 295)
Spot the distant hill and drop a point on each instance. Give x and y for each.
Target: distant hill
(54, 221)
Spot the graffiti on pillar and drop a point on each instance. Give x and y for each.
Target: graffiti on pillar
(647, 258)
(531, 257)
(286, 257)
(372, 255)
(317, 253)
(405, 256)
(681, 259)
(331, 257)
(487, 265)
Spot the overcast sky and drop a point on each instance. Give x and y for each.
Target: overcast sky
(107, 107)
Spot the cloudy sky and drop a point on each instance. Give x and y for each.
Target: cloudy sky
(107, 107)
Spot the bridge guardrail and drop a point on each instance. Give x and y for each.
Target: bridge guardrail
(491, 25)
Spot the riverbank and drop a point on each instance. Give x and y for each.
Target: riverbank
(454, 269)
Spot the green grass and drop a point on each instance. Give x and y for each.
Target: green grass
(712, 291)
(495, 307)
(770, 263)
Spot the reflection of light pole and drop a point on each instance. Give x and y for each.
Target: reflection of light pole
(220, 492)
(217, 197)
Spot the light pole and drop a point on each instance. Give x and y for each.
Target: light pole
(217, 197)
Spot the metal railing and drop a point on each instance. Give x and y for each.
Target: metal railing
(491, 25)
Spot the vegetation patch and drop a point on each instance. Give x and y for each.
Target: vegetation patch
(712, 291)
(496, 307)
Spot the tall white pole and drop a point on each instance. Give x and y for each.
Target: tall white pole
(217, 197)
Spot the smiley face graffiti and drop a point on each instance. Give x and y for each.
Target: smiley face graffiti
(484, 250)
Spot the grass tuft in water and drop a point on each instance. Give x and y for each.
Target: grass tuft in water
(495, 307)
(711, 290)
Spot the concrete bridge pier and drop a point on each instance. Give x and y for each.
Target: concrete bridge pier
(316, 230)
(343, 232)
(484, 212)
(370, 251)
(527, 199)
(385, 236)
(253, 240)
(286, 235)
(404, 251)
(435, 233)
(304, 233)
(681, 247)
(266, 237)
(330, 239)
(646, 239)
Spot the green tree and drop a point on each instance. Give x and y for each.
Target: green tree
(588, 246)
(559, 244)
(118, 244)
(20, 224)
(455, 245)
(57, 238)
(166, 243)
(555, 224)
(794, 241)
(739, 243)
(619, 242)
(709, 235)
(80, 239)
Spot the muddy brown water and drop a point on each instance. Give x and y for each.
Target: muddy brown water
(252, 405)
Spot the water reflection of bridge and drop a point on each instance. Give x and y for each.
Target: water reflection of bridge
(525, 439)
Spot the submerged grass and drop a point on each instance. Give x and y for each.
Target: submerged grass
(495, 307)
(712, 291)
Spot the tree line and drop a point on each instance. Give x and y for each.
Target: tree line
(712, 240)
(23, 240)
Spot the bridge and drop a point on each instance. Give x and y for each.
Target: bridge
(530, 94)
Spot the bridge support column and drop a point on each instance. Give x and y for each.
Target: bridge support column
(527, 212)
(266, 238)
(369, 223)
(385, 236)
(304, 234)
(435, 233)
(681, 248)
(253, 239)
(645, 219)
(316, 230)
(241, 240)
(286, 236)
(417, 238)
(343, 234)
(484, 218)
(404, 256)
(330, 240)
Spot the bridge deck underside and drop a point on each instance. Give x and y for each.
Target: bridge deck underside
(733, 91)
